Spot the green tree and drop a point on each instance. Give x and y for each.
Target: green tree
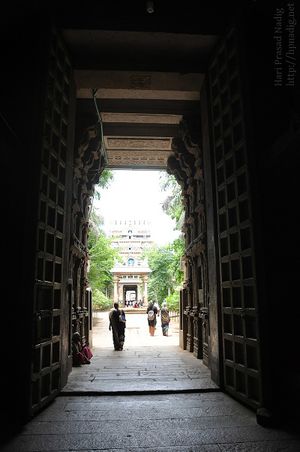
(105, 179)
(161, 278)
(101, 301)
(172, 205)
(165, 262)
(166, 274)
(177, 247)
(96, 219)
(102, 257)
(101, 254)
(173, 301)
(96, 222)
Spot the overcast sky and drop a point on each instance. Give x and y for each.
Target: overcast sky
(137, 195)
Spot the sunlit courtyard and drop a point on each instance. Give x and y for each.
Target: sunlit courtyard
(136, 333)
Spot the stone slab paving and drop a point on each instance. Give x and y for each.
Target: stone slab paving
(140, 369)
(136, 332)
(134, 405)
(151, 364)
(211, 422)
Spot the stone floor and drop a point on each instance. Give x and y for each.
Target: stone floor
(148, 369)
(137, 333)
(151, 364)
(152, 396)
(168, 422)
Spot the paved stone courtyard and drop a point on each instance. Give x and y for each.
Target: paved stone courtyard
(152, 364)
(151, 396)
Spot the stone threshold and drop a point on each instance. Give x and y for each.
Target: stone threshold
(137, 392)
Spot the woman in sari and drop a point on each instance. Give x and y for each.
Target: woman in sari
(117, 323)
(81, 354)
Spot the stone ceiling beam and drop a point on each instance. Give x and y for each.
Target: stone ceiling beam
(140, 166)
(140, 118)
(140, 151)
(138, 143)
(128, 80)
(140, 130)
(112, 93)
(139, 106)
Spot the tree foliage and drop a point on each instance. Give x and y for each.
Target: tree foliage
(101, 254)
(161, 277)
(166, 274)
(96, 220)
(165, 262)
(173, 301)
(104, 182)
(102, 257)
(178, 251)
(101, 301)
(172, 205)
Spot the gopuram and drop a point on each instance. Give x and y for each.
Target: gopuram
(130, 276)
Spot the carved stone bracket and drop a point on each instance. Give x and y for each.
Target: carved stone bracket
(187, 310)
(185, 135)
(196, 248)
(88, 165)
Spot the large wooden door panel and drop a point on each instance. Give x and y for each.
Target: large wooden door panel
(51, 257)
(240, 336)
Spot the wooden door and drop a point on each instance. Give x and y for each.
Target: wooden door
(236, 253)
(51, 319)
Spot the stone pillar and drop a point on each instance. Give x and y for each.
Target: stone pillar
(138, 292)
(115, 290)
(120, 293)
(146, 290)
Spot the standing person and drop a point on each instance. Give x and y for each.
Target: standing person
(117, 323)
(165, 319)
(151, 315)
(122, 326)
